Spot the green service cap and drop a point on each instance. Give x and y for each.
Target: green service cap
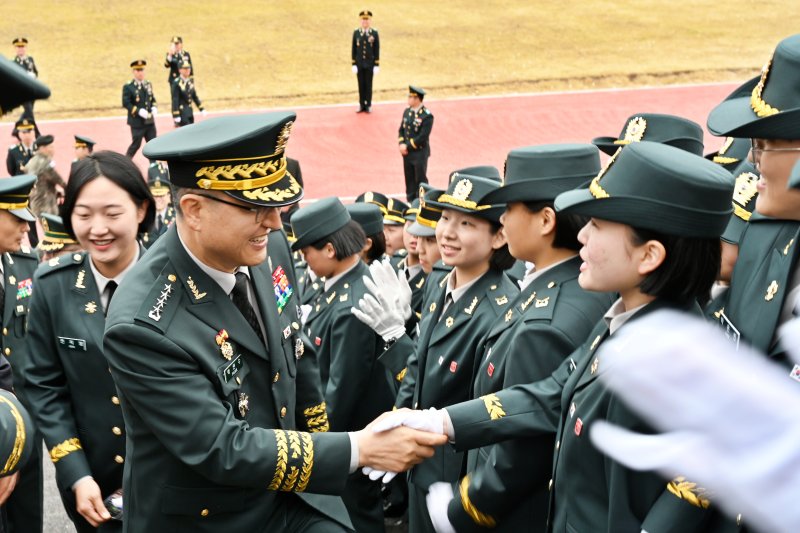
(16, 434)
(242, 156)
(16, 87)
(463, 194)
(733, 151)
(82, 141)
(657, 187)
(395, 211)
(372, 197)
(767, 106)
(413, 90)
(664, 129)
(318, 220)
(481, 171)
(428, 216)
(368, 216)
(14, 195)
(540, 173)
(55, 235)
(745, 193)
(410, 214)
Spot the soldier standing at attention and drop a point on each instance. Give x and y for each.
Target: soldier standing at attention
(366, 60)
(19, 154)
(183, 94)
(176, 56)
(139, 100)
(413, 139)
(26, 62)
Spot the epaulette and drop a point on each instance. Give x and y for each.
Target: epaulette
(25, 252)
(541, 303)
(61, 262)
(161, 302)
(496, 294)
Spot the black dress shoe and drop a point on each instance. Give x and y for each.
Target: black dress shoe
(368, 109)
(362, 110)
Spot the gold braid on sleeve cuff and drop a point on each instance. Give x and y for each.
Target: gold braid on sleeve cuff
(59, 451)
(478, 517)
(688, 491)
(294, 462)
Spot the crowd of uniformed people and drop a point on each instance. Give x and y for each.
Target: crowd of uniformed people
(199, 352)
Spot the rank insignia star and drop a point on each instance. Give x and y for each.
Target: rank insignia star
(772, 290)
(449, 321)
(90, 308)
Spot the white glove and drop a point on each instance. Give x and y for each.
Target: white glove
(177, 120)
(430, 420)
(382, 319)
(355, 69)
(440, 494)
(204, 112)
(376, 69)
(31, 74)
(154, 111)
(392, 284)
(377, 474)
(143, 113)
(305, 310)
(729, 417)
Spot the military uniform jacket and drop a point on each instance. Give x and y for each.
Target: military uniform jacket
(18, 156)
(589, 491)
(415, 131)
(183, 94)
(209, 408)
(18, 269)
(366, 51)
(67, 381)
(27, 63)
(417, 284)
(158, 229)
(445, 359)
(138, 95)
(761, 280)
(545, 323)
(174, 63)
(357, 387)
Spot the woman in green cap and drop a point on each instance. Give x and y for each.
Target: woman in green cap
(71, 392)
(474, 295)
(656, 243)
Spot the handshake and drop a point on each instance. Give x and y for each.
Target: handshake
(396, 441)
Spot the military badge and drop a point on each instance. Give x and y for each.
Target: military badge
(490, 369)
(244, 404)
(299, 348)
(195, 291)
(12, 280)
(24, 289)
(91, 308)
(225, 347)
(595, 365)
(453, 366)
(283, 289)
(472, 306)
(79, 280)
(772, 290)
(449, 321)
(317, 341)
(287, 331)
(578, 427)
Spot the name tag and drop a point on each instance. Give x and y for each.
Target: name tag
(731, 333)
(72, 344)
(233, 368)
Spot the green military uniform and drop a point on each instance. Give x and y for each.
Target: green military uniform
(210, 407)
(687, 197)
(67, 382)
(366, 55)
(444, 359)
(158, 182)
(138, 96)
(19, 154)
(357, 388)
(183, 94)
(414, 132)
(28, 65)
(731, 154)
(24, 509)
(174, 61)
(551, 316)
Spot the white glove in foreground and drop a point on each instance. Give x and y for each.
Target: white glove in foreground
(730, 417)
(355, 69)
(438, 498)
(376, 474)
(430, 420)
(154, 111)
(390, 286)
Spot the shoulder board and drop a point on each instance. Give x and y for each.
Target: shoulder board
(60, 263)
(25, 253)
(541, 304)
(344, 295)
(161, 302)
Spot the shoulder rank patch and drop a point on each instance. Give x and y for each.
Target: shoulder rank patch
(155, 312)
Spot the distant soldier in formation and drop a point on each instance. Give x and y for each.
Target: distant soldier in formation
(183, 94)
(139, 100)
(366, 59)
(26, 62)
(176, 56)
(19, 154)
(413, 139)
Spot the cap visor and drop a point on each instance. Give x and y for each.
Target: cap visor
(606, 144)
(24, 214)
(419, 230)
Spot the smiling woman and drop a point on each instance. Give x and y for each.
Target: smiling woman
(74, 398)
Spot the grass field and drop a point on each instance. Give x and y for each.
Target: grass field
(261, 54)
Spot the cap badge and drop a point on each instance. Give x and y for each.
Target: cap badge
(462, 189)
(634, 132)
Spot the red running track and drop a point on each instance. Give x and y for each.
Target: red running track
(344, 153)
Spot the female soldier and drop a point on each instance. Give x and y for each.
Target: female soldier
(72, 394)
(475, 294)
(655, 241)
(370, 218)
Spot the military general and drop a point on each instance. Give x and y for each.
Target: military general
(139, 100)
(414, 141)
(366, 52)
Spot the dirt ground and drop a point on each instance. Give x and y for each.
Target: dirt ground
(264, 54)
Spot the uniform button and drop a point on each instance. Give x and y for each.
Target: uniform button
(283, 412)
(204, 512)
(119, 459)
(550, 485)
(5, 331)
(116, 431)
(115, 400)
(277, 377)
(416, 405)
(7, 351)
(558, 444)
